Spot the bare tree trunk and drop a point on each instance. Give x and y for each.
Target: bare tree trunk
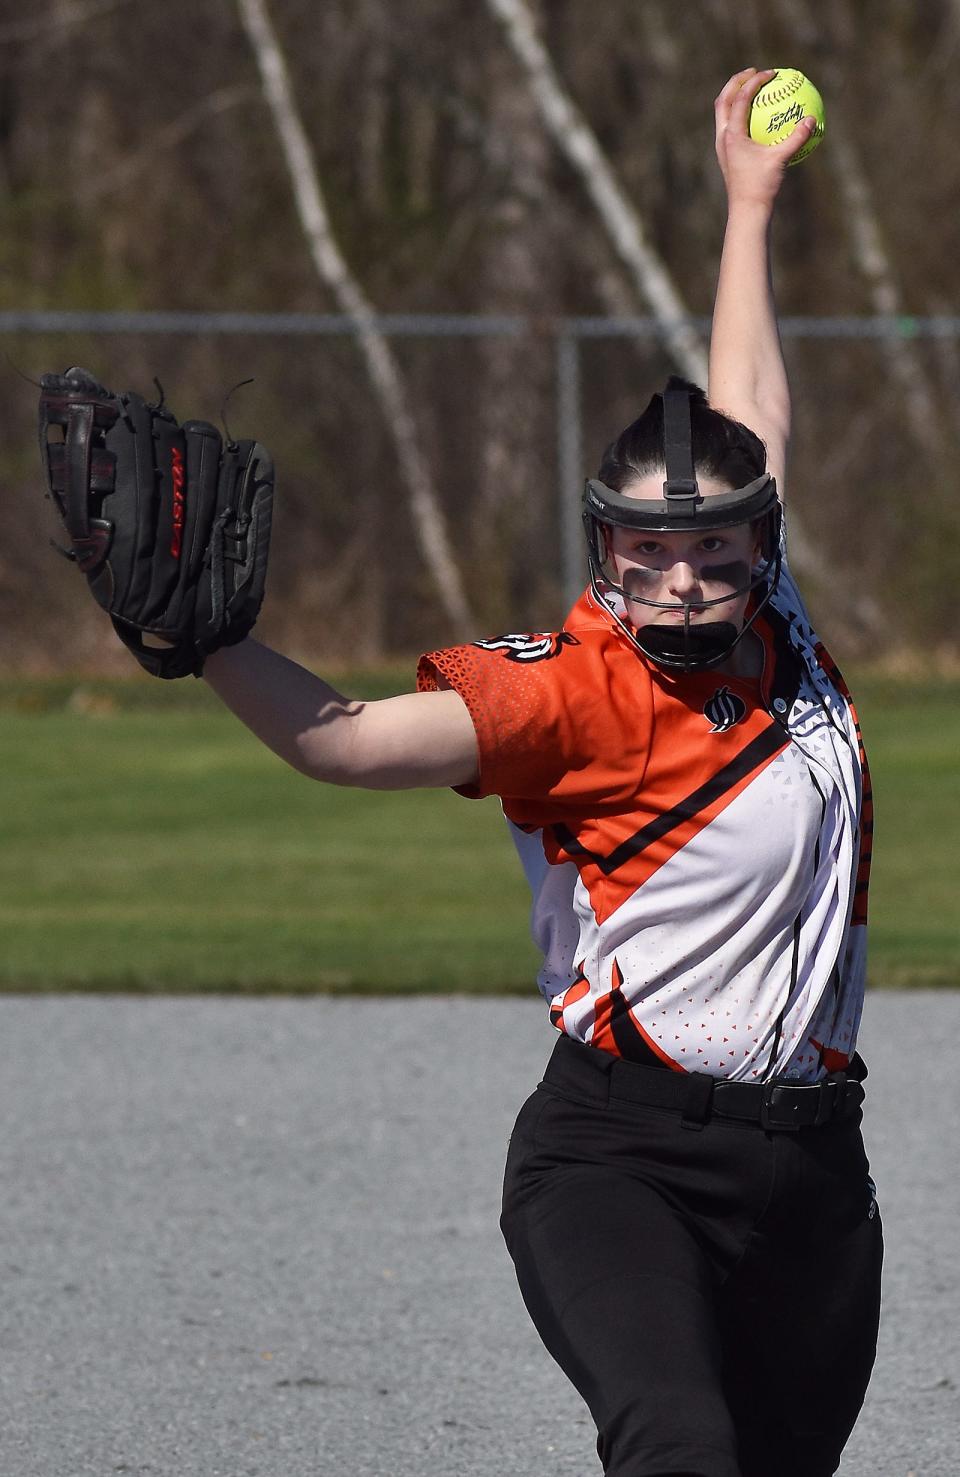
(947, 350)
(869, 248)
(422, 134)
(371, 105)
(516, 372)
(622, 222)
(428, 520)
(873, 260)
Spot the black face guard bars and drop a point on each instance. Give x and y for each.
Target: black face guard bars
(683, 508)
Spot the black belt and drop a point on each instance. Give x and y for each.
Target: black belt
(783, 1105)
(780, 1104)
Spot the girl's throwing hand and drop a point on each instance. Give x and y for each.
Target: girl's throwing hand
(752, 172)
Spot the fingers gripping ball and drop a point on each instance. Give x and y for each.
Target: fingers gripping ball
(170, 524)
(780, 105)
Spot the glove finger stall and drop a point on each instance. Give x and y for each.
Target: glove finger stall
(204, 445)
(132, 507)
(229, 602)
(79, 473)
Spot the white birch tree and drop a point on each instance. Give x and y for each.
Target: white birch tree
(620, 218)
(333, 270)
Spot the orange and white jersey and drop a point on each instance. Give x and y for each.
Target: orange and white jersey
(697, 845)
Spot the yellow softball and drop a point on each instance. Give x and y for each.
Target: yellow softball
(779, 106)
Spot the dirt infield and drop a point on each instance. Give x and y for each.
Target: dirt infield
(259, 1237)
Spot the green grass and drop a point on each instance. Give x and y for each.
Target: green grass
(151, 844)
(912, 734)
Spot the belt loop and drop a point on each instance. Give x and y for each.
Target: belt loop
(833, 1092)
(696, 1103)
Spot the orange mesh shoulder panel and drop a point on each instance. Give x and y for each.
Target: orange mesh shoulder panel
(561, 719)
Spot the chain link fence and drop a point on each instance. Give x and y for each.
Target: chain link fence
(514, 412)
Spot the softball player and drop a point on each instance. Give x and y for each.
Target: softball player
(687, 1201)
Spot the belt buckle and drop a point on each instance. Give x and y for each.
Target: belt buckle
(780, 1104)
(833, 1098)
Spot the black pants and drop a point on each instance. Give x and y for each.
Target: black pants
(713, 1295)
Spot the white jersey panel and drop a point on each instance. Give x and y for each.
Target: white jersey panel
(736, 930)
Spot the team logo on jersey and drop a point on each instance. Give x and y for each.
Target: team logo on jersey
(530, 647)
(724, 710)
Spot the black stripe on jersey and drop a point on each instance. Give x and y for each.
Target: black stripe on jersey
(764, 746)
(630, 1043)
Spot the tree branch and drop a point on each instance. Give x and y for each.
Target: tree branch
(168, 137)
(621, 220)
(58, 18)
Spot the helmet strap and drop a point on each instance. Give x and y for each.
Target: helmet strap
(680, 491)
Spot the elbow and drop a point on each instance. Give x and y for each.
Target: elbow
(329, 749)
(300, 760)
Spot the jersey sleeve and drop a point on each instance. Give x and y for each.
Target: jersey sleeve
(549, 728)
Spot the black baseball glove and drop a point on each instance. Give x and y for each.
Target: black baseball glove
(170, 525)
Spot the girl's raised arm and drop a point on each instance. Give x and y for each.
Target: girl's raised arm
(748, 377)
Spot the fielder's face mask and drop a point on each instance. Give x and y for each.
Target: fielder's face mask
(684, 644)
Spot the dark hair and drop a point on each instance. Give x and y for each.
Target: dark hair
(722, 447)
